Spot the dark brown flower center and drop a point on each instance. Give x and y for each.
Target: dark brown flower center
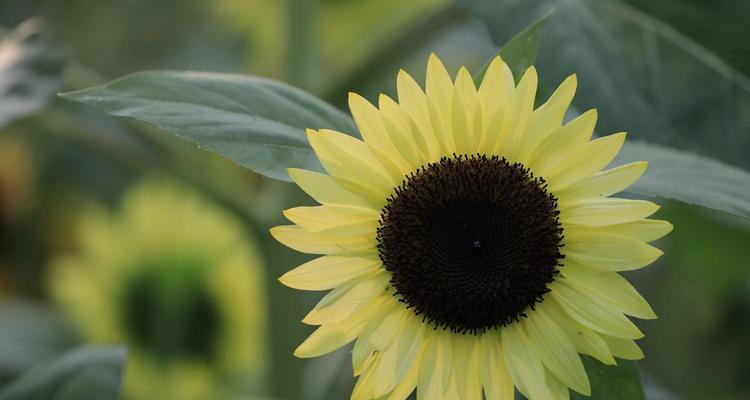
(471, 242)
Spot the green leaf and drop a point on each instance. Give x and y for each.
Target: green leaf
(85, 373)
(520, 51)
(31, 64)
(256, 122)
(612, 382)
(689, 178)
(29, 334)
(649, 80)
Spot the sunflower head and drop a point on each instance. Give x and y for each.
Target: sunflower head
(471, 241)
(178, 282)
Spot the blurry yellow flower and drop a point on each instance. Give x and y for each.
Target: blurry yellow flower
(176, 280)
(470, 241)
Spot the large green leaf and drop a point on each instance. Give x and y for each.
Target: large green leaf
(86, 373)
(256, 122)
(29, 334)
(649, 80)
(31, 64)
(689, 178)
(520, 51)
(612, 382)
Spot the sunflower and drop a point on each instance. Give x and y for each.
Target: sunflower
(471, 241)
(179, 283)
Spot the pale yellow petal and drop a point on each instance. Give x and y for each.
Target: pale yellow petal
(623, 348)
(330, 337)
(592, 314)
(325, 189)
(606, 211)
(407, 384)
(464, 106)
(305, 241)
(363, 347)
(403, 132)
(646, 230)
(524, 366)
(414, 102)
(590, 160)
(403, 351)
(466, 380)
(608, 251)
(328, 217)
(557, 389)
(562, 143)
(370, 123)
(347, 299)
(431, 369)
(439, 90)
(352, 160)
(493, 371)
(584, 339)
(556, 351)
(518, 116)
(496, 88)
(327, 272)
(547, 118)
(610, 287)
(603, 183)
(363, 389)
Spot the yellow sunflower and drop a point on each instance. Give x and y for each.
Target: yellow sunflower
(177, 281)
(471, 241)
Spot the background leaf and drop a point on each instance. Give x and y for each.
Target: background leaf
(648, 79)
(31, 64)
(85, 373)
(256, 122)
(689, 178)
(612, 382)
(29, 334)
(520, 51)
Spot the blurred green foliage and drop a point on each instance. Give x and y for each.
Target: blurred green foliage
(71, 156)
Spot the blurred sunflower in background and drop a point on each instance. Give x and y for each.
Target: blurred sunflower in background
(471, 241)
(176, 280)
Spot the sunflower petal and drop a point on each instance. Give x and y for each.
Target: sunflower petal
(592, 314)
(305, 241)
(401, 349)
(326, 190)
(548, 117)
(518, 116)
(606, 211)
(326, 217)
(466, 380)
(603, 184)
(560, 144)
(414, 102)
(403, 132)
(524, 366)
(327, 272)
(584, 339)
(610, 287)
(608, 251)
(496, 380)
(623, 348)
(645, 230)
(407, 385)
(431, 369)
(343, 301)
(330, 337)
(590, 160)
(556, 351)
(353, 160)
